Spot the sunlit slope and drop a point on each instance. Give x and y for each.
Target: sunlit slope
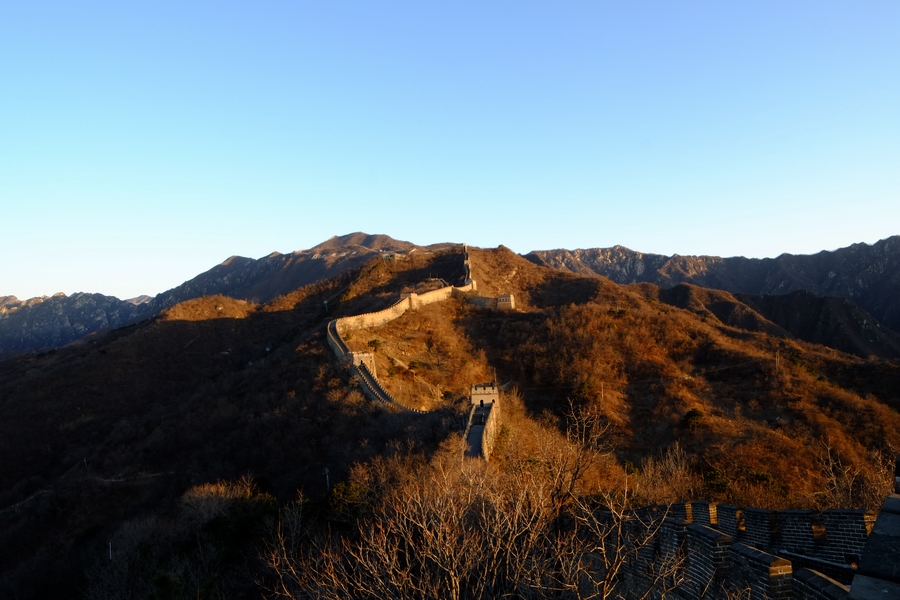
(753, 407)
(217, 388)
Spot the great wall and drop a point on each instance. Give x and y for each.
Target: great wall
(483, 421)
(732, 552)
(728, 552)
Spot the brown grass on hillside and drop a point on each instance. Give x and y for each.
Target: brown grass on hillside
(208, 307)
(756, 432)
(659, 375)
(422, 358)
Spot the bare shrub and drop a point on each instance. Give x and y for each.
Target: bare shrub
(667, 479)
(197, 552)
(849, 485)
(457, 528)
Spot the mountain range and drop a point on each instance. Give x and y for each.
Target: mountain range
(868, 275)
(846, 299)
(122, 445)
(54, 321)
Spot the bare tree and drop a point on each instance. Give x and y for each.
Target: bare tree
(464, 529)
(457, 532)
(668, 478)
(606, 549)
(616, 552)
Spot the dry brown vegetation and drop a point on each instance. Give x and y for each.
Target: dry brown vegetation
(105, 436)
(208, 307)
(119, 428)
(659, 374)
(543, 523)
(757, 431)
(422, 359)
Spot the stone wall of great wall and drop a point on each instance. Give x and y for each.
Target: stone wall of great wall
(362, 364)
(483, 423)
(491, 429)
(729, 551)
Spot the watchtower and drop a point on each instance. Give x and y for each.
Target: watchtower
(484, 393)
(506, 302)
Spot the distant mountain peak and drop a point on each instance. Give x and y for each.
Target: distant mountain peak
(366, 240)
(235, 258)
(8, 300)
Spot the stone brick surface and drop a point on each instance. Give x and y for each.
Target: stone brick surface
(847, 531)
(768, 577)
(796, 529)
(703, 513)
(759, 527)
(812, 585)
(870, 588)
(731, 520)
(707, 552)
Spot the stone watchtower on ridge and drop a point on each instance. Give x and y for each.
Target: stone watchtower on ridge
(484, 418)
(484, 393)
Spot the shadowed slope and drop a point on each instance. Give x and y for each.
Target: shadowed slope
(869, 275)
(123, 426)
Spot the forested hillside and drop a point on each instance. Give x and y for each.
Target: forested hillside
(212, 449)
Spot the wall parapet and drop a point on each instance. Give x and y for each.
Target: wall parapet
(719, 564)
(372, 319)
(335, 340)
(707, 554)
(504, 302)
(491, 427)
(879, 566)
(812, 585)
(830, 541)
(765, 575)
(373, 389)
(483, 424)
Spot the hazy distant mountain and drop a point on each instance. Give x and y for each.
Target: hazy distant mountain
(383, 243)
(264, 279)
(102, 440)
(835, 322)
(50, 322)
(869, 275)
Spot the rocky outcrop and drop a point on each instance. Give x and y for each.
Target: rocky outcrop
(49, 322)
(869, 275)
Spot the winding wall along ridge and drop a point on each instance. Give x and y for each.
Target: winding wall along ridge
(358, 362)
(789, 554)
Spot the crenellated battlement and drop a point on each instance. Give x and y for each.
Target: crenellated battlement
(484, 420)
(787, 554)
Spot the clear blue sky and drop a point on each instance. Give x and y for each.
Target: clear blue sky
(141, 143)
